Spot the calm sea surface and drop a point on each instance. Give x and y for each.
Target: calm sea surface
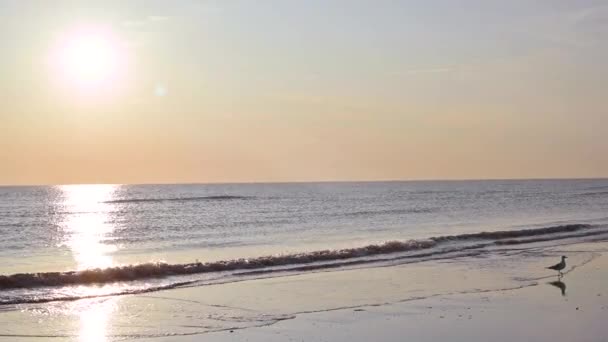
(188, 227)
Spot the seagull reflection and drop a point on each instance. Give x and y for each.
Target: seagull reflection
(560, 285)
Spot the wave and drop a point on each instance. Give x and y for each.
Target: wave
(593, 194)
(180, 199)
(390, 211)
(332, 258)
(155, 270)
(504, 234)
(598, 187)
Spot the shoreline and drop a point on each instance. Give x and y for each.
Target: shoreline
(461, 299)
(528, 312)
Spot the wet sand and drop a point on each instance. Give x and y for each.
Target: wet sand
(501, 298)
(538, 313)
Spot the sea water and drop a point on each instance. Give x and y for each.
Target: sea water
(84, 241)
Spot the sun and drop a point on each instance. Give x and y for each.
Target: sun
(88, 58)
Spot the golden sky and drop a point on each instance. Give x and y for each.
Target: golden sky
(244, 91)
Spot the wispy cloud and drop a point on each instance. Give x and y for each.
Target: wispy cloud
(158, 18)
(133, 23)
(139, 23)
(431, 70)
(582, 27)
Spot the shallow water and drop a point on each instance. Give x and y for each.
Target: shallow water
(87, 241)
(195, 310)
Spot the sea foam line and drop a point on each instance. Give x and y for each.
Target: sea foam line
(159, 270)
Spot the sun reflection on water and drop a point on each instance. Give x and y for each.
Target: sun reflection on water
(87, 224)
(87, 228)
(94, 319)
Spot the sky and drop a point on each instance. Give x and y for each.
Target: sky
(277, 91)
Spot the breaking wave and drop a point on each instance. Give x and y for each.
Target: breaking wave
(331, 258)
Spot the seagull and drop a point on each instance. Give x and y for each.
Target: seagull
(559, 266)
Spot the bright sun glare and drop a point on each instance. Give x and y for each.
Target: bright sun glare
(88, 58)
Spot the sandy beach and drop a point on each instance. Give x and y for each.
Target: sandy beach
(541, 311)
(458, 299)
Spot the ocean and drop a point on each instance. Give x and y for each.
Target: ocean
(62, 243)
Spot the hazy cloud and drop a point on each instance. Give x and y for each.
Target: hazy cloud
(157, 18)
(582, 27)
(432, 70)
(139, 23)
